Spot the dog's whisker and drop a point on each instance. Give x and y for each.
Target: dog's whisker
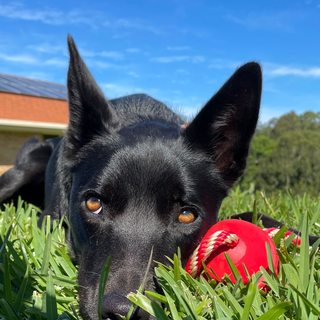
(91, 272)
(83, 287)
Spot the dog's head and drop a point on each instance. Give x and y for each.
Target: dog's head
(136, 180)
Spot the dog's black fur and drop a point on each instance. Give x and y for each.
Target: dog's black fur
(136, 157)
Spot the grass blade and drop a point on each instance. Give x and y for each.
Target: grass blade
(141, 301)
(18, 301)
(234, 270)
(176, 269)
(5, 240)
(102, 283)
(234, 304)
(280, 234)
(275, 312)
(147, 271)
(269, 257)
(51, 302)
(272, 283)
(158, 312)
(156, 296)
(46, 255)
(8, 312)
(304, 254)
(249, 300)
(292, 275)
(255, 212)
(7, 280)
(313, 307)
(293, 205)
(172, 307)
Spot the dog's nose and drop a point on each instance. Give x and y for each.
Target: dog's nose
(115, 306)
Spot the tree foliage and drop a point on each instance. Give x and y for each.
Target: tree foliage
(285, 153)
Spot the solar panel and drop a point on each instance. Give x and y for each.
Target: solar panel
(32, 87)
(7, 88)
(46, 88)
(15, 87)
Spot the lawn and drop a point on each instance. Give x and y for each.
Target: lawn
(38, 280)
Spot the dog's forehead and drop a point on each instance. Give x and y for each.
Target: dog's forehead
(147, 149)
(150, 130)
(147, 160)
(136, 164)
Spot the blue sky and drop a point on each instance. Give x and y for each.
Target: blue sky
(178, 51)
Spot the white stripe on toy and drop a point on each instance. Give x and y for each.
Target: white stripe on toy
(205, 249)
(271, 232)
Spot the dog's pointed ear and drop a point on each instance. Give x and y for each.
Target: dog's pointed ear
(224, 127)
(90, 113)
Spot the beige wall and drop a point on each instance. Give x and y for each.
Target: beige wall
(10, 142)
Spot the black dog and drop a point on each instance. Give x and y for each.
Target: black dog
(130, 178)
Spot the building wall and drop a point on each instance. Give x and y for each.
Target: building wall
(10, 142)
(28, 108)
(19, 107)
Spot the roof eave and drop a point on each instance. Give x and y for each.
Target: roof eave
(33, 126)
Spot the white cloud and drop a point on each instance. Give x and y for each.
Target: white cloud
(27, 59)
(133, 50)
(19, 58)
(57, 62)
(183, 82)
(133, 24)
(178, 48)
(192, 59)
(49, 16)
(15, 11)
(106, 54)
(289, 71)
(271, 20)
(48, 48)
(183, 71)
(92, 18)
(277, 70)
(111, 54)
(113, 90)
(133, 74)
(103, 65)
(121, 27)
(224, 64)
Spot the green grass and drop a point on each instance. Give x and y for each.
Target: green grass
(38, 278)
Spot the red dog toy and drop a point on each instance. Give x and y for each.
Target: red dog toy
(243, 241)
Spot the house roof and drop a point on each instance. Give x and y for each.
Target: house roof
(14, 84)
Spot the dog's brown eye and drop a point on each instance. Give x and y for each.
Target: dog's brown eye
(94, 205)
(187, 216)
